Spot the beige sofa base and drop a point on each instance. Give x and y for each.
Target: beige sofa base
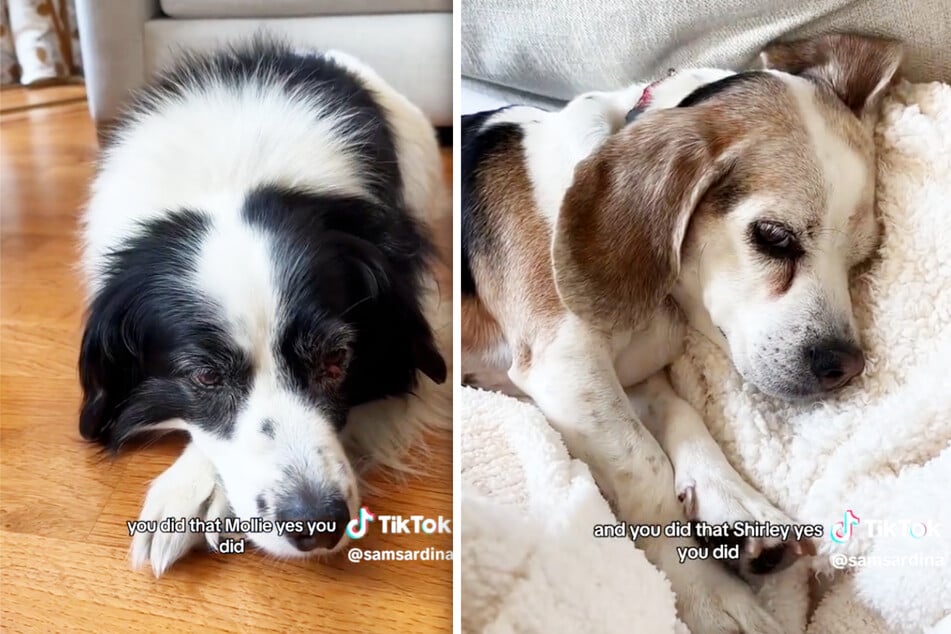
(125, 41)
(422, 71)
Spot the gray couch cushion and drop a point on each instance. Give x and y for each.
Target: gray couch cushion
(559, 48)
(295, 8)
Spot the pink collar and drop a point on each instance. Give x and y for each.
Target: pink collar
(647, 96)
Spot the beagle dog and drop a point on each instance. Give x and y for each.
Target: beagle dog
(593, 237)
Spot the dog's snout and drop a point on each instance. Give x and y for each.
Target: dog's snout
(321, 520)
(835, 363)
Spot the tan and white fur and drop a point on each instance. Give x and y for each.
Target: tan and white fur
(592, 244)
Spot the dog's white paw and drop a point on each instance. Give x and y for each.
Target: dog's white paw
(727, 498)
(188, 489)
(218, 508)
(710, 599)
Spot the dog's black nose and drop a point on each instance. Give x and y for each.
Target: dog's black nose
(835, 363)
(322, 522)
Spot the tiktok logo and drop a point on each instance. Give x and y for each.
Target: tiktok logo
(841, 532)
(357, 528)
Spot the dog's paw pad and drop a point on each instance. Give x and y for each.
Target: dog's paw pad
(762, 559)
(766, 556)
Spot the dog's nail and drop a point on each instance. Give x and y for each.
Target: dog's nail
(753, 548)
(689, 501)
(212, 540)
(805, 547)
(158, 569)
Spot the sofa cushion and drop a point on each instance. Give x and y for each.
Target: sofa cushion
(562, 48)
(422, 72)
(295, 8)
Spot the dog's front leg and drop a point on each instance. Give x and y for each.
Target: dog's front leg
(567, 370)
(187, 489)
(710, 488)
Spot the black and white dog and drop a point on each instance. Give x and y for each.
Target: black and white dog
(259, 263)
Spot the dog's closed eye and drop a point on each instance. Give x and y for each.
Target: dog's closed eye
(775, 240)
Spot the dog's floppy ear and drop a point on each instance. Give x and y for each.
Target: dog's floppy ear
(856, 67)
(108, 371)
(395, 338)
(617, 239)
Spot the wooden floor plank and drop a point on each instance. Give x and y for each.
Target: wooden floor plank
(17, 98)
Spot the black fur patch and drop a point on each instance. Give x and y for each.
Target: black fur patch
(147, 336)
(478, 145)
(707, 91)
(348, 264)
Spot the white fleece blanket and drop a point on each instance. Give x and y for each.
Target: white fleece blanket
(530, 561)
(882, 449)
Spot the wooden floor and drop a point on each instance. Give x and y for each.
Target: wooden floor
(63, 540)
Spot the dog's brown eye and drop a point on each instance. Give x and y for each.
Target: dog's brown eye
(207, 377)
(331, 368)
(775, 240)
